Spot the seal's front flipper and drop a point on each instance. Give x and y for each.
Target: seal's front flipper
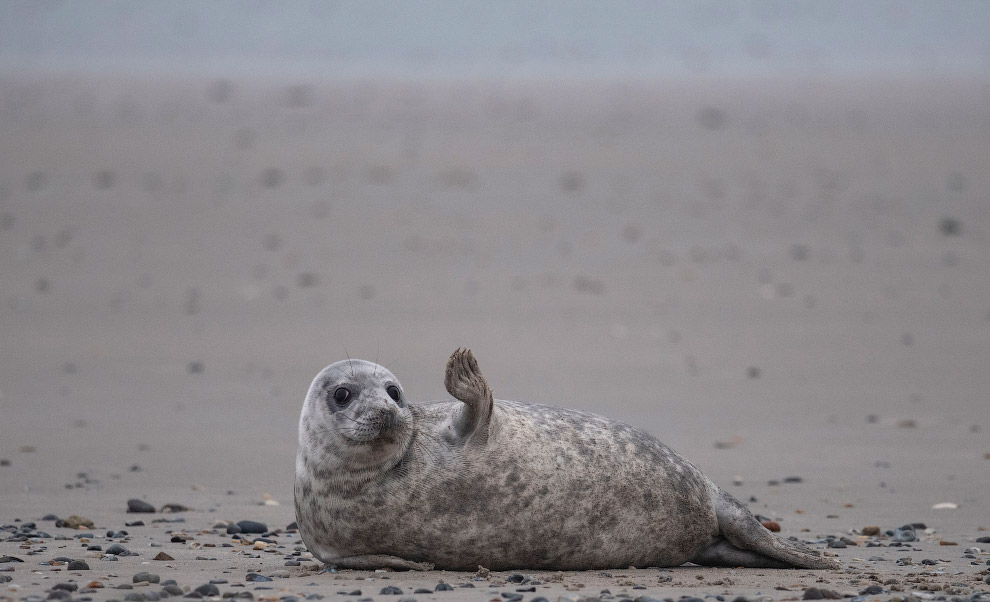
(465, 382)
(741, 530)
(379, 561)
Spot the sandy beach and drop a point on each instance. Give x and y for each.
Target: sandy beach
(785, 280)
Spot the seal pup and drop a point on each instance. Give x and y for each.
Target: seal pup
(382, 482)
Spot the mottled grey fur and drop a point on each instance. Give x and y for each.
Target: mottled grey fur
(504, 484)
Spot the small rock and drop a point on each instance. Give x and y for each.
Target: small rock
(77, 522)
(163, 556)
(256, 577)
(871, 590)
(117, 550)
(772, 525)
(250, 526)
(69, 587)
(207, 590)
(444, 587)
(78, 565)
(422, 590)
(871, 530)
(945, 506)
(390, 590)
(837, 543)
(175, 508)
(145, 577)
(814, 593)
(139, 506)
(172, 590)
(233, 529)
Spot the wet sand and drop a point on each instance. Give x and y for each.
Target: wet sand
(784, 278)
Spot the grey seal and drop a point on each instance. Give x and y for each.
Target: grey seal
(382, 482)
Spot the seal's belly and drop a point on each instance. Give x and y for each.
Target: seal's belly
(550, 489)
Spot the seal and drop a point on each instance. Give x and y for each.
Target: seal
(385, 483)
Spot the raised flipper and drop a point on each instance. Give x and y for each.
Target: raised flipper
(747, 543)
(370, 562)
(465, 383)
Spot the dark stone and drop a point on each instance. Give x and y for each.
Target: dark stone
(136, 505)
(422, 590)
(250, 526)
(78, 565)
(117, 550)
(837, 543)
(59, 594)
(391, 590)
(172, 590)
(256, 577)
(137, 523)
(516, 578)
(233, 529)
(207, 589)
(69, 587)
(145, 577)
(512, 597)
(813, 593)
(444, 587)
(134, 597)
(871, 590)
(292, 526)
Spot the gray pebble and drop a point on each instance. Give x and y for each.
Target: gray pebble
(69, 587)
(837, 543)
(512, 596)
(136, 505)
(444, 587)
(422, 590)
(134, 597)
(117, 549)
(407, 599)
(172, 590)
(390, 590)
(78, 565)
(59, 594)
(208, 589)
(250, 526)
(145, 577)
(256, 577)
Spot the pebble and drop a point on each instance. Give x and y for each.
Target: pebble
(444, 587)
(871, 530)
(172, 590)
(78, 565)
(250, 526)
(422, 590)
(837, 543)
(69, 587)
(207, 589)
(117, 550)
(163, 556)
(390, 590)
(256, 577)
(871, 590)
(407, 599)
(75, 522)
(136, 505)
(58, 594)
(512, 597)
(145, 577)
(814, 593)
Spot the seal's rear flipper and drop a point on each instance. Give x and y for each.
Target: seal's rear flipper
(754, 544)
(465, 383)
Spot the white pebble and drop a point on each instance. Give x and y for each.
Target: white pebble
(945, 506)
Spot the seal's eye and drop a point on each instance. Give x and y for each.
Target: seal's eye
(341, 395)
(393, 392)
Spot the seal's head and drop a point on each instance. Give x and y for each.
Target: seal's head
(355, 417)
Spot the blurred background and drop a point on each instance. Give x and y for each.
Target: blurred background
(759, 226)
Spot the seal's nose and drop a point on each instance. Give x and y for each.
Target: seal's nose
(387, 417)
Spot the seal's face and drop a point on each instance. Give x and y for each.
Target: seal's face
(356, 413)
